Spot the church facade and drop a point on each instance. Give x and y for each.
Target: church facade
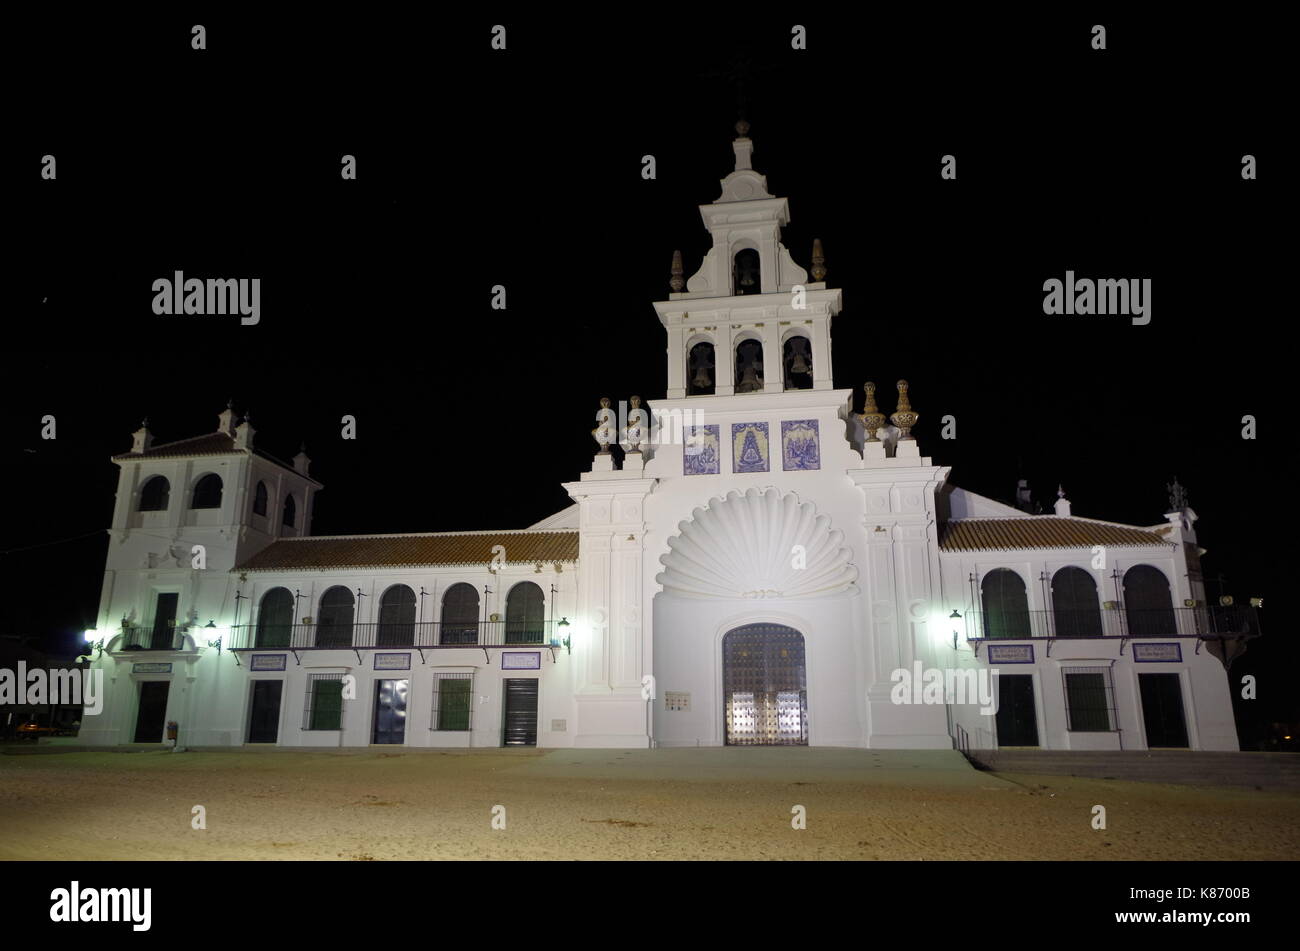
(763, 564)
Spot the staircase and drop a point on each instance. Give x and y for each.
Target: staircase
(1187, 767)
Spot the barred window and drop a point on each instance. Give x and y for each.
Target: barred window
(275, 620)
(451, 701)
(396, 617)
(334, 618)
(324, 709)
(525, 614)
(1006, 605)
(1074, 603)
(1148, 605)
(1089, 699)
(460, 615)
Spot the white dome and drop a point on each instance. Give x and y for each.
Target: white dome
(744, 546)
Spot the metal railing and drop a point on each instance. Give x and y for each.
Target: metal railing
(1199, 621)
(387, 634)
(152, 637)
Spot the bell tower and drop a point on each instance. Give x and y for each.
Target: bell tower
(749, 320)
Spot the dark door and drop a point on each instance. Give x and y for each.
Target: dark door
(521, 712)
(264, 722)
(390, 711)
(164, 622)
(1162, 710)
(764, 686)
(153, 711)
(1017, 720)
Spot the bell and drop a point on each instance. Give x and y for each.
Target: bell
(702, 380)
(800, 365)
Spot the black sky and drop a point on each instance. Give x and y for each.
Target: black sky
(523, 168)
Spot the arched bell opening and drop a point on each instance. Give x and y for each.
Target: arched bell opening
(746, 277)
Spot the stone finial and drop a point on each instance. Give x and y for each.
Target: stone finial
(635, 435)
(818, 261)
(903, 417)
(605, 426)
(244, 433)
(1062, 503)
(871, 416)
(1177, 496)
(677, 282)
(142, 439)
(302, 462)
(226, 419)
(743, 147)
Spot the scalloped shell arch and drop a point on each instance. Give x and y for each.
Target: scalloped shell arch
(744, 546)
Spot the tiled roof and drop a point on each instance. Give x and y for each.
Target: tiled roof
(394, 551)
(213, 444)
(1041, 531)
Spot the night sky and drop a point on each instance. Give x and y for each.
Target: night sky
(523, 168)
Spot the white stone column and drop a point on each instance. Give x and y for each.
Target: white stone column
(608, 642)
(902, 585)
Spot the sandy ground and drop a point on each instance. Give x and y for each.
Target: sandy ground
(610, 804)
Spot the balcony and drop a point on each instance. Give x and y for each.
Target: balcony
(153, 636)
(1203, 621)
(423, 635)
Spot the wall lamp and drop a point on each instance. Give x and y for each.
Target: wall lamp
(212, 625)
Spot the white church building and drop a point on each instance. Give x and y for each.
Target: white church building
(768, 565)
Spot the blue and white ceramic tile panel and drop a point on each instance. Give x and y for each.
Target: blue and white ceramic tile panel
(702, 451)
(799, 444)
(749, 447)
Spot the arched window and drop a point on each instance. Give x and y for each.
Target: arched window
(701, 370)
(396, 618)
(749, 366)
(154, 494)
(459, 615)
(1074, 604)
(260, 499)
(798, 363)
(1006, 606)
(290, 511)
(525, 614)
(1148, 606)
(746, 277)
(334, 619)
(275, 619)
(207, 492)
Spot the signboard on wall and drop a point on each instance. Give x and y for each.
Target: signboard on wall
(392, 662)
(1171, 652)
(151, 668)
(1011, 653)
(268, 662)
(521, 660)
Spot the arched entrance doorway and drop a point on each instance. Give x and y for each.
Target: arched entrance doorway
(764, 686)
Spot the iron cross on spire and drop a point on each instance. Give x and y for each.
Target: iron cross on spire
(742, 68)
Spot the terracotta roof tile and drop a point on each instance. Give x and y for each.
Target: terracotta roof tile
(394, 551)
(213, 444)
(1041, 531)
